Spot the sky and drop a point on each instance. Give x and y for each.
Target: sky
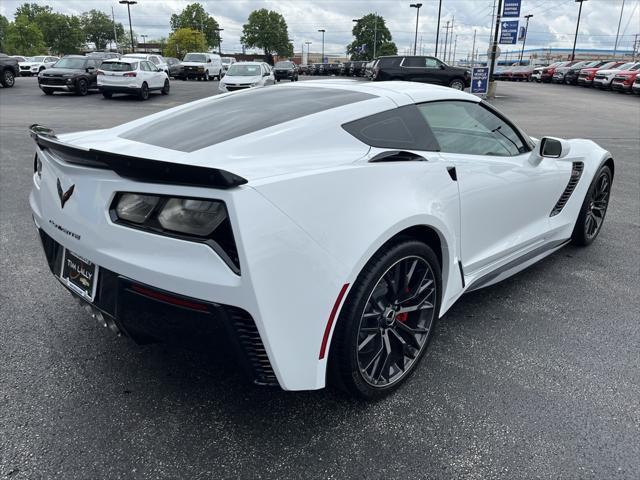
(552, 25)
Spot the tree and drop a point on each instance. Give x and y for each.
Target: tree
(4, 25)
(193, 16)
(98, 28)
(32, 11)
(185, 40)
(267, 30)
(24, 38)
(63, 34)
(368, 30)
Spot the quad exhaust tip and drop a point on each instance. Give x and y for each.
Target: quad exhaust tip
(104, 320)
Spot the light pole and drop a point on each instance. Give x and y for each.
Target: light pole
(308, 43)
(575, 39)
(218, 30)
(438, 28)
(615, 48)
(524, 40)
(322, 30)
(417, 7)
(128, 3)
(144, 39)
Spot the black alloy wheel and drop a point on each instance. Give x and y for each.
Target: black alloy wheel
(8, 79)
(387, 320)
(82, 87)
(594, 208)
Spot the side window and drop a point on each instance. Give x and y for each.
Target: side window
(470, 128)
(413, 62)
(155, 60)
(144, 65)
(432, 63)
(402, 128)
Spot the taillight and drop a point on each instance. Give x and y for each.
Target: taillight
(100, 72)
(129, 74)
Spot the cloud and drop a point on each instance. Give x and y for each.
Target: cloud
(552, 25)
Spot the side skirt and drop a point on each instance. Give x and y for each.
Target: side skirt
(492, 277)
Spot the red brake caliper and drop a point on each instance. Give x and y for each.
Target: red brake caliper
(402, 317)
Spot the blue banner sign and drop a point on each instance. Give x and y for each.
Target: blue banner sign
(509, 32)
(511, 8)
(479, 80)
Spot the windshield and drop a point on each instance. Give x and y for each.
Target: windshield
(118, 66)
(195, 57)
(226, 61)
(70, 63)
(283, 64)
(244, 70)
(36, 59)
(133, 55)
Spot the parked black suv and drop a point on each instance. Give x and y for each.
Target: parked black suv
(72, 73)
(8, 70)
(285, 70)
(358, 68)
(421, 69)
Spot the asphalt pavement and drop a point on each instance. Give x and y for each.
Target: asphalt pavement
(537, 377)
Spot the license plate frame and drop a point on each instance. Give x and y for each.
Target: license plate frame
(79, 274)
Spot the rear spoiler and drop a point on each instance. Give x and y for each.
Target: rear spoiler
(135, 168)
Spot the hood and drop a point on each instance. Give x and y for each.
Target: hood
(608, 71)
(193, 64)
(627, 73)
(29, 64)
(241, 79)
(57, 72)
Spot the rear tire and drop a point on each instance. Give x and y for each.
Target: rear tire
(594, 208)
(166, 88)
(144, 92)
(457, 84)
(8, 79)
(372, 316)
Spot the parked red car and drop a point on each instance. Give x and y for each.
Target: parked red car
(623, 81)
(547, 73)
(588, 74)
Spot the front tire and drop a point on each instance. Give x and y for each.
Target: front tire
(206, 76)
(82, 87)
(8, 79)
(165, 88)
(457, 84)
(594, 208)
(386, 322)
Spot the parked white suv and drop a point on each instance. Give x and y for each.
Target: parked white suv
(157, 60)
(242, 75)
(604, 78)
(34, 65)
(132, 76)
(205, 66)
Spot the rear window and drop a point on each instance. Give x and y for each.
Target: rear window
(402, 128)
(119, 66)
(199, 125)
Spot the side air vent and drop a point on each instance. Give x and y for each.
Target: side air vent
(251, 343)
(576, 173)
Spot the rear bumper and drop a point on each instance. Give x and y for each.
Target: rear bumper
(147, 315)
(115, 89)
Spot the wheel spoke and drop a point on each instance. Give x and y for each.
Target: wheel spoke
(411, 334)
(367, 340)
(386, 365)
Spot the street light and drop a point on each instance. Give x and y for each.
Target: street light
(144, 39)
(524, 40)
(322, 30)
(573, 52)
(218, 30)
(417, 7)
(307, 43)
(128, 3)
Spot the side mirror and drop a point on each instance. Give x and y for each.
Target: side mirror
(550, 147)
(442, 67)
(90, 69)
(265, 74)
(159, 69)
(208, 60)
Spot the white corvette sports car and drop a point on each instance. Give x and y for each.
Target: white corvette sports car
(324, 238)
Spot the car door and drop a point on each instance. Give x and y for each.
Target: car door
(434, 71)
(505, 197)
(145, 73)
(92, 71)
(156, 77)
